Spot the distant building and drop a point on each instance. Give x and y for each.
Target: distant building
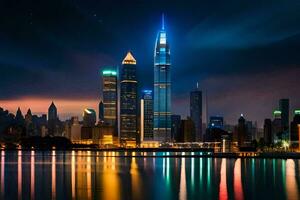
(187, 130)
(89, 117)
(268, 135)
(53, 121)
(284, 107)
(295, 129)
(147, 116)
(101, 112)
(277, 129)
(175, 130)
(196, 112)
(162, 87)
(242, 131)
(30, 129)
(216, 122)
(128, 101)
(75, 130)
(110, 98)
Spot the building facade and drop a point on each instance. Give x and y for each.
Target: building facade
(147, 115)
(52, 120)
(196, 112)
(162, 88)
(89, 117)
(284, 107)
(128, 100)
(110, 98)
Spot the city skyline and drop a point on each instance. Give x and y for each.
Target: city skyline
(229, 88)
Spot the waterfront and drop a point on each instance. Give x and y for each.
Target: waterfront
(109, 175)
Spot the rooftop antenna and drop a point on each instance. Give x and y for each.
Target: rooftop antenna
(163, 22)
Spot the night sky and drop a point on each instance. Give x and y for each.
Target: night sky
(246, 54)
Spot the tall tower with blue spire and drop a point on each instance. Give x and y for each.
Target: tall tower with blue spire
(162, 87)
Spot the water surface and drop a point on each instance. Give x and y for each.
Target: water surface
(112, 175)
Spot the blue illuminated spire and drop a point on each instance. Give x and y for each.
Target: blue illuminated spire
(163, 22)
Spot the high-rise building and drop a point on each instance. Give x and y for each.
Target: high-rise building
(277, 129)
(268, 136)
(146, 115)
(101, 112)
(196, 112)
(284, 107)
(216, 122)
(110, 98)
(89, 117)
(128, 101)
(52, 120)
(242, 131)
(162, 87)
(295, 128)
(187, 130)
(175, 129)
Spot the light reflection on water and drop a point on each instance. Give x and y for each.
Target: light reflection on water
(94, 175)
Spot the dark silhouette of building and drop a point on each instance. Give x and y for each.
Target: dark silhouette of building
(101, 112)
(242, 132)
(216, 135)
(196, 112)
(268, 136)
(295, 129)
(128, 101)
(53, 121)
(216, 122)
(277, 128)
(284, 107)
(89, 117)
(175, 130)
(187, 130)
(147, 115)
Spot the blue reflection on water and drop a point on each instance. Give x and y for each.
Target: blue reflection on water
(97, 175)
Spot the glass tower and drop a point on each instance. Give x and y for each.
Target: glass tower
(162, 88)
(147, 115)
(128, 101)
(110, 99)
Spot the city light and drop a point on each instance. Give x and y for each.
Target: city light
(109, 72)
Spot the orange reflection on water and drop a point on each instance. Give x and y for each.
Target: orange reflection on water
(111, 188)
(2, 173)
(32, 175)
(19, 174)
(135, 179)
(182, 189)
(89, 176)
(292, 189)
(238, 185)
(223, 184)
(73, 174)
(53, 175)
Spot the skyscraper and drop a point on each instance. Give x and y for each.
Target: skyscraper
(196, 112)
(110, 98)
(162, 87)
(268, 136)
(101, 112)
(128, 101)
(52, 119)
(147, 115)
(294, 129)
(284, 107)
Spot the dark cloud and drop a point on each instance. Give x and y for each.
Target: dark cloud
(56, 48)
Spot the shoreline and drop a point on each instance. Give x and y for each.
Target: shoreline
(171, 152)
